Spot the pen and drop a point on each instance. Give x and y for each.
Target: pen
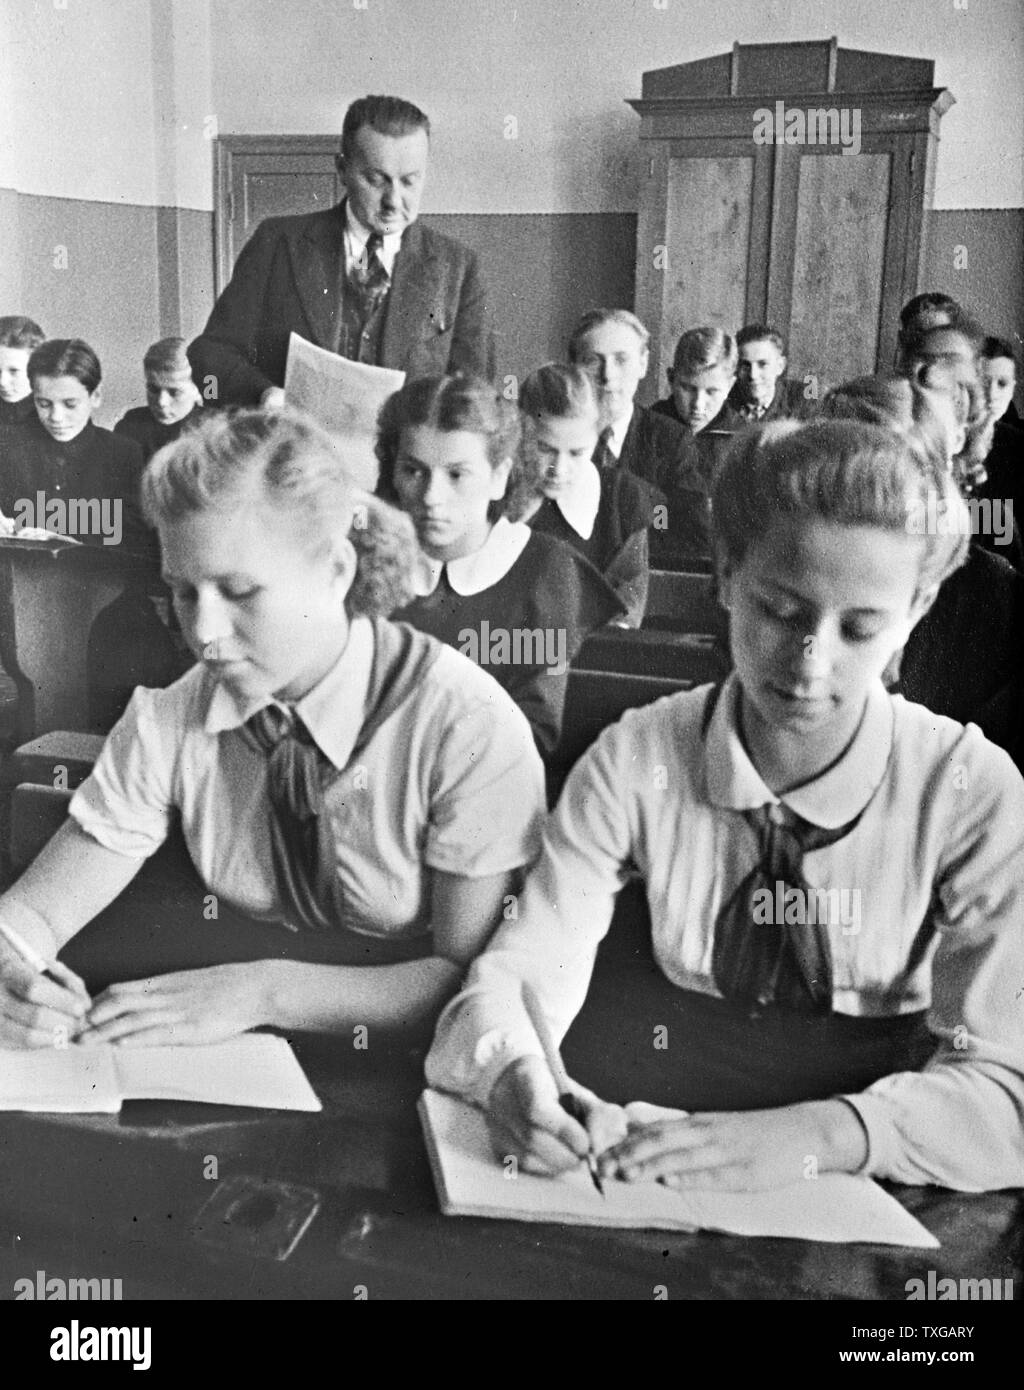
(29, 954)
(567, 1097)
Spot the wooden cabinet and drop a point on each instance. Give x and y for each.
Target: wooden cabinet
(787, 184)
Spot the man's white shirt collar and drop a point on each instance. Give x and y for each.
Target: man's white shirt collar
(356, 237)
(472, 574)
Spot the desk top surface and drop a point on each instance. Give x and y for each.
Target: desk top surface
(123, 1196)
(139, 1195)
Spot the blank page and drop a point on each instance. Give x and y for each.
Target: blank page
(63, 1080)
(255, 1069)
(472, 1182)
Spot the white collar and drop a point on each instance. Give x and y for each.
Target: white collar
(580, 506)
(472, 574)
(618, 433)
(356, 237)
(334, 711)
(829, 800)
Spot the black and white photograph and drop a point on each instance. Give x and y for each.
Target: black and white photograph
(511, 682)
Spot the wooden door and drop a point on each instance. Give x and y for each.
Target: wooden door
(262, 176)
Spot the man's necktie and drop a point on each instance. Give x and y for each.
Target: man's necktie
(602, 455)
(757, 961)
(368, 277)
(297, 773)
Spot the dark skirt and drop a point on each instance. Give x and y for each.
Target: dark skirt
(639, 1037)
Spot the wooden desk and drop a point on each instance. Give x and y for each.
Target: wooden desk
(123, 1197)
(683, 601)
(50, 594)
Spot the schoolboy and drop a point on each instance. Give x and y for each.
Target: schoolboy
(63, 456)
(998, 363)
(933, 309)
(172, 398)
(947, 358)
(1004, 463)
(702, 375)
(611, 345)
(762, 393)
(19, 336)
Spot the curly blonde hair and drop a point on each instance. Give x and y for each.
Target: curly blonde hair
(232, 457)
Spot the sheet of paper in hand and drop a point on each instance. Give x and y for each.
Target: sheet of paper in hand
(471, 1181)
(344, 397)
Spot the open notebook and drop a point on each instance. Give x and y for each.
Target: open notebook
(470, 1181)
(255, 1069)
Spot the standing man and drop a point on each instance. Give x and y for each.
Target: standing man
(363, 279)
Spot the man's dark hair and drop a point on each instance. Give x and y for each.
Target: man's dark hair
(760, 333)
(16, 331)
(916, 341)
(385, 115)
(933, 299)
(998, 347)
(66, 357)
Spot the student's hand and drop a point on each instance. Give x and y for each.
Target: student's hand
(526, 1121)
(744, 1152)
(34, 1012)
(189, 1006)
(272, 398)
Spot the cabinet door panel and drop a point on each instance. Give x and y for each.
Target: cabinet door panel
(838, 263)
(708, 233)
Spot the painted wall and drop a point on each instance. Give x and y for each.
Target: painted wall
(562, 69)
(133, 89)
(105, 205)
(543, 272)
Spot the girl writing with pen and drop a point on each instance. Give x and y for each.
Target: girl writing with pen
(888, 1041)
(333, 772)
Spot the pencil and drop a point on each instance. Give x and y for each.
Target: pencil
(567, 1097)
(29, 954)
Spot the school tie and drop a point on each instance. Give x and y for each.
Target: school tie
(297, 773)
(757, 962)
(602, 455)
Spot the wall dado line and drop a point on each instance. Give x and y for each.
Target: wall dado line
(122, 275)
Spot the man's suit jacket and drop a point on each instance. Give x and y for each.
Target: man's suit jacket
(787, 403)
(656, 448)
(288, 278)
(662, 452)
